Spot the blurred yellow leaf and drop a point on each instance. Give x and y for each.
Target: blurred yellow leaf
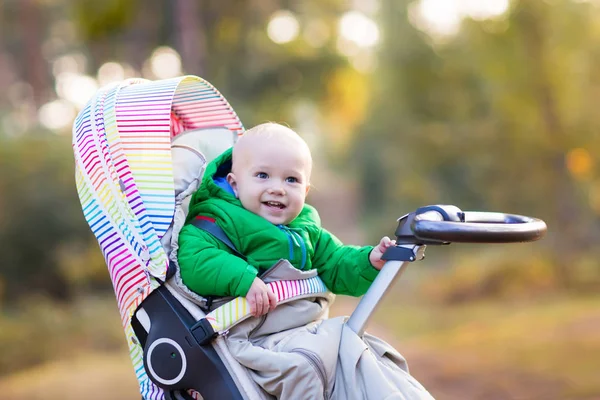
(579, 163)
(346, 102)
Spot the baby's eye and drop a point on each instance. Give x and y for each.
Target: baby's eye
(291, 179)
(262, 175)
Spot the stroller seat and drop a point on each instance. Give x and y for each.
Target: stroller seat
(140, 151)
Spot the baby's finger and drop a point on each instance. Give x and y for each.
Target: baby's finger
(252, 304)
(272, 299)
(259, 305)
(265, 297)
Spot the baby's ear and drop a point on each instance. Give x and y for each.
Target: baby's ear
(232, 182)
(307, 189)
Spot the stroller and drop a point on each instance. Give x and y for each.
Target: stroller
(140, 151)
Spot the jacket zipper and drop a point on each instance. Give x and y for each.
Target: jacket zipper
(318, 366)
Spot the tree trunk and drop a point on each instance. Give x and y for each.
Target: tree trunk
(35, 65)
(190, 37)
(565, 233)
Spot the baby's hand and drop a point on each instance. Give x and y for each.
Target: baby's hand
(261, 298)
(377, 252)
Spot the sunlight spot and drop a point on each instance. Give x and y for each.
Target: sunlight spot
(358, 28)
(76, 88)
(484, 9)
(443, 17)
(437, 17)
(165, 63)
(56, 115)
(369, 7)
(72, 63)
(110, 72)
(283, 27)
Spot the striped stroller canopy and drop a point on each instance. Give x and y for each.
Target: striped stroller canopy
(124, 176)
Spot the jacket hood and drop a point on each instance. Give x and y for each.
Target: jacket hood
(217, 168)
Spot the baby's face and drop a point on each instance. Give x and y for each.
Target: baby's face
(271, 180)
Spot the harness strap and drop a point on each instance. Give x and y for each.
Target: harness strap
(209, 225)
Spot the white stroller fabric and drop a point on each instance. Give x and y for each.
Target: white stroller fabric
(295, 352)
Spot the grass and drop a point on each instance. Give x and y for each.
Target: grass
(40, 331)
(556, 339)
(90, 376)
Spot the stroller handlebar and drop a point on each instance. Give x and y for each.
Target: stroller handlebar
(439, 225)
(444, 224)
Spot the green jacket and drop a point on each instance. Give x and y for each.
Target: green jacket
(208, 267)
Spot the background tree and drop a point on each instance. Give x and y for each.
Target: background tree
(494, 118)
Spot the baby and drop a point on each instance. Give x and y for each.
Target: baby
(256, 193)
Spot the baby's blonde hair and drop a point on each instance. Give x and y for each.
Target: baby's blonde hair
(268, 131)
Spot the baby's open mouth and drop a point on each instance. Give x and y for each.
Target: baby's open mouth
(274, 204)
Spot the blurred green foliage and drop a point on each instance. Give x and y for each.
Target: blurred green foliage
(98, 20)
(39, 214)
(500, 116)
(38, 331)
(496, 119)
(492, 275)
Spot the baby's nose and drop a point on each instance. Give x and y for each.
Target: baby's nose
(277, 189)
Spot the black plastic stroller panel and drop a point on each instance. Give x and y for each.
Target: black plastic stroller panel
(177, 351)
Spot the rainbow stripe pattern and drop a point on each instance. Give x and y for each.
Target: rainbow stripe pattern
(229, 314)
(122, 147)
